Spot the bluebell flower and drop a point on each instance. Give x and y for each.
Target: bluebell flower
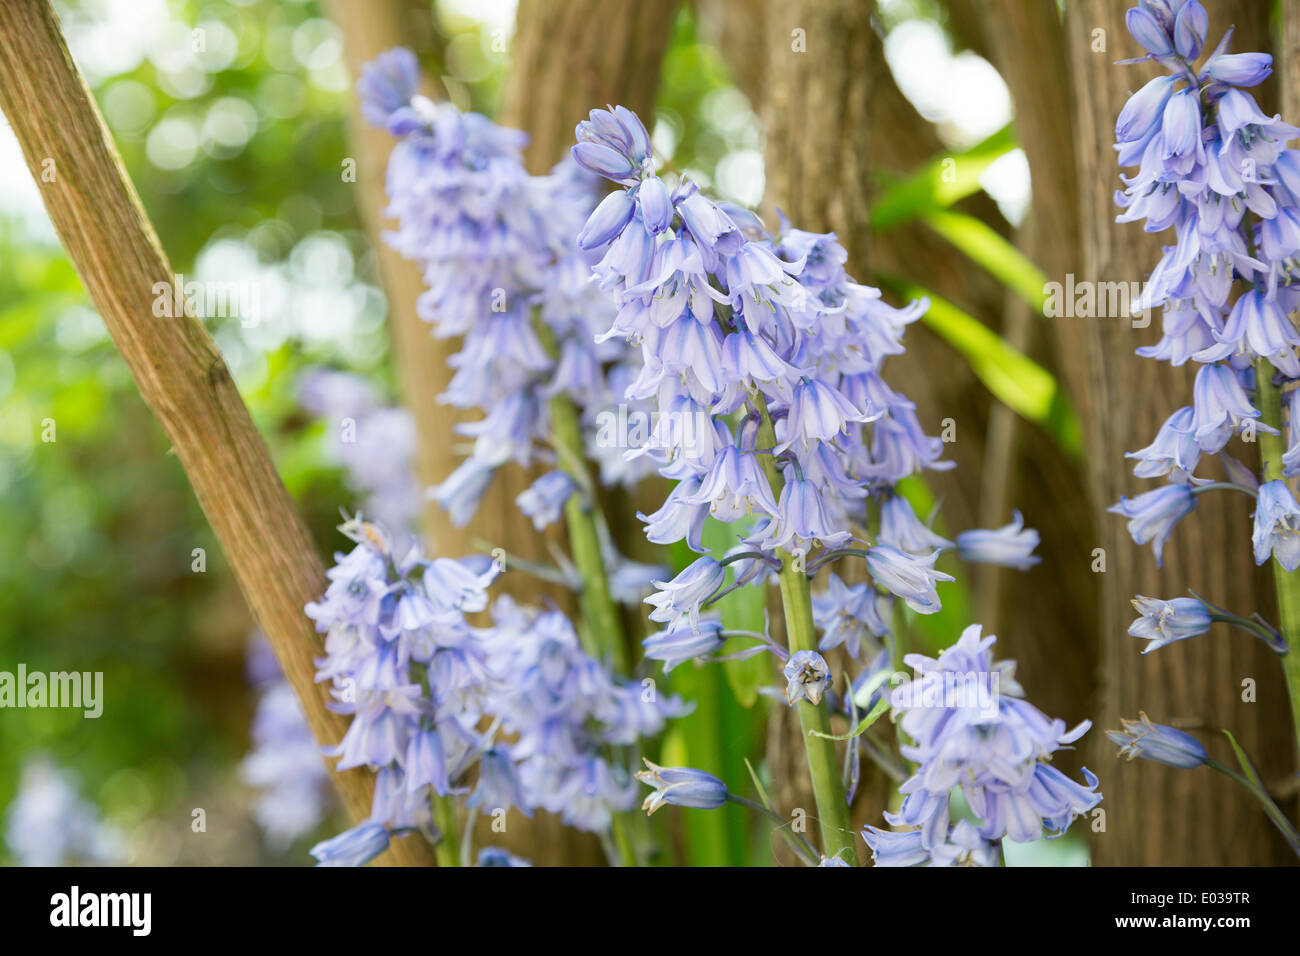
(1190, 28)
(1238, 69)
(1258, 328)
(407, 667)
(896, 848)
(1157, 742)
(285, 763)
(801, 521)
(750, 327)
(963, 846)
(680, 519)
(850, 616)
(683, 641)
(1221, 407)
(50, 824)
(495, 856)
(543, 501)
(735, 487)
(1291, 458)
(991, 744)
(1153, 514)
(1214, 168)
(354, 847)
(1163, 622)
(807, 677)
(900, 527)
(1010, 546)
(387, 87)
(910, 577)
(499, 250)
(1147, 28)
(1277, 525)
(1174, 450)
(564, 712)
(681, 787)
(1144, 110)
(686, 593)
(818, 413)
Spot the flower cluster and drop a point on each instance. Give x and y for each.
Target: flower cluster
(568, 717)
(410, 670)
(431, 697)
(778, 351)
(285, 764)
(1215, 169)
(49, 824)
(971, 730)
(498, 251)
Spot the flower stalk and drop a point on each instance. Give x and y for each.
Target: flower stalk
(1271, 449)
(602, 627)
(796, 602)
(447, 850)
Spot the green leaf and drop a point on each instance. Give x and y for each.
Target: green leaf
(1246, 766)
(1014, 378)
(719, 734)
(873, 715)
(942, 182)
(987, 248)
(741, 610)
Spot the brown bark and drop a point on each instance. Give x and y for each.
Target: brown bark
(739, 29)
(179, 371)
(369, 29)
(571, 56)
(1156, 814)
(1023, 467)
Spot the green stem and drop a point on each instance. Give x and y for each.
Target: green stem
(1271, 809)
(1271, 448)
(602, 630)
(627, 855)
(447, 850)
(796, 601)
(802, 848)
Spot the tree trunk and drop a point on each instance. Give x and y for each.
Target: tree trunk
(175, 363)
(368, 29)
(571, 56)
(820, 164)
(1156, 814)
(1023, 467)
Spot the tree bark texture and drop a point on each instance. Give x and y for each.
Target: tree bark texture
(1156, 814)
